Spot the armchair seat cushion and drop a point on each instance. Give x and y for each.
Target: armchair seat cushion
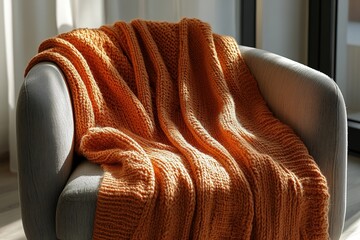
(77, 203)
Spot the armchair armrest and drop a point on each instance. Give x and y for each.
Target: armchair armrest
(45, 130)
(312, 104)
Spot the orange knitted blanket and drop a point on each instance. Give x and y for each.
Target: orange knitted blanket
(189, 148)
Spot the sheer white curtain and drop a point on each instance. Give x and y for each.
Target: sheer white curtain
(24, 24)
(221, 14)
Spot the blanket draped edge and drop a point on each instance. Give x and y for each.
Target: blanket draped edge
(188, 146)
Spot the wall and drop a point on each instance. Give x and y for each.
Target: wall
(282, 27)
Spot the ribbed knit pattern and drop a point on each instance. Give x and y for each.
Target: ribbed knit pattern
(189, 148)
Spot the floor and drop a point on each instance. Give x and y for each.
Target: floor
(353, 200)
(352, 219)
(10, 220)
(11, 226)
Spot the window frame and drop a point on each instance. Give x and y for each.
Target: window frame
(248, 23)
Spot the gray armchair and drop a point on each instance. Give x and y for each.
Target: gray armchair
(58, 190)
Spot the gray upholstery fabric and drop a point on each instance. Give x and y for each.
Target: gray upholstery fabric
(45, 132)
(77, 203)
(312, 104)
(305, 99)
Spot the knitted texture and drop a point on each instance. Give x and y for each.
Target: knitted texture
(188, 146)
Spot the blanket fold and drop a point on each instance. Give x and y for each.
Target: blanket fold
(189, 148)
